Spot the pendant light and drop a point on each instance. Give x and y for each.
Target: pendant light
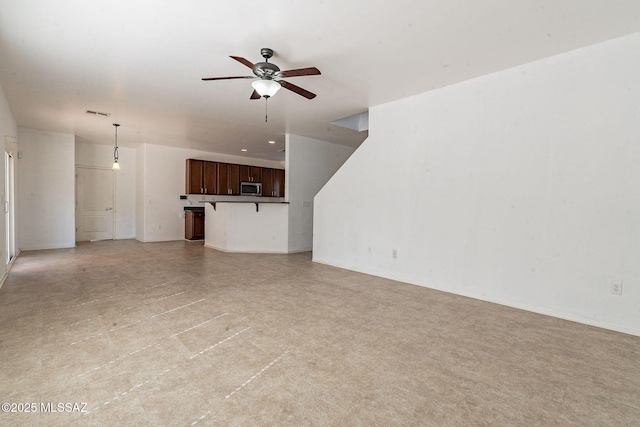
(116, 165)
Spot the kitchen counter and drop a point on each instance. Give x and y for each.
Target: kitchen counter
(259, 226)
(256, 201)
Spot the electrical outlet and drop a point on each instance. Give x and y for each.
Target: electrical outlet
(615, 286)
(394, 253)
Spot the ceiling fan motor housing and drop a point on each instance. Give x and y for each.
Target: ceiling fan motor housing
(266, 53)
(266, 69)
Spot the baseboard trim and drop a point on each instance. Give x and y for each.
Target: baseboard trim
(9, 266)
(231, 251)
(533, 309)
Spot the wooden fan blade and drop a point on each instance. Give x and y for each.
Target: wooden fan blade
(228, 78)
(242, 61)
(255, 95)
(297, 89)
(310, 71)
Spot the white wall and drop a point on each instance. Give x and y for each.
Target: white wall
(309, 164)
(163, 181)
(101, 156)
(46, 189)
(520, 187)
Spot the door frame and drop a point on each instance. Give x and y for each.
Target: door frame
(9, 208)
(113, 212)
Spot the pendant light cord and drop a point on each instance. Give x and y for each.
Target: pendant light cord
(115, 149)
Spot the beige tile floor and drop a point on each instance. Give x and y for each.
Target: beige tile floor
(178, 334)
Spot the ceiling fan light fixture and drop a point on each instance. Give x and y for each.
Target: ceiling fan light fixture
(266, 87)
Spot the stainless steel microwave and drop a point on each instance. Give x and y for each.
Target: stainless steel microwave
(251, 189)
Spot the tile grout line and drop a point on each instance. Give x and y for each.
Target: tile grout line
(91, 302)
(166, 371)
(103, 333)
(135, 323)
(114, 296)
(274, 361)
(154, 286)
(218, 343)
(169, 296)
(145, 348)
(178, 308)
(199, 324)
(256, 375)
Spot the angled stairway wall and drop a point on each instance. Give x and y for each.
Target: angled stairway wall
(519, 187)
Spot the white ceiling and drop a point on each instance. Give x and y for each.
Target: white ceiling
(143, 60)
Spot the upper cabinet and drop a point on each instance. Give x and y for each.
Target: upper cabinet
(267, 182)
(194, 177)
(201, 177)
(272, 182)
(209, 177)
(250, 173)
(228, 179)
(216, 178)
(278, 182)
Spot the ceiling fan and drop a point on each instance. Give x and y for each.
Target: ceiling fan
(268, 77)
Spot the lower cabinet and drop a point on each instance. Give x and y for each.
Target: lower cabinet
(194, 225)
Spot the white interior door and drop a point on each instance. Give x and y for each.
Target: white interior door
(94, 204)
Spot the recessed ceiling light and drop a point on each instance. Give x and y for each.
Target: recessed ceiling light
(272, 142)
(243, 149)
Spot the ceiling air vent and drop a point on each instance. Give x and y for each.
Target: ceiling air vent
(97, 113)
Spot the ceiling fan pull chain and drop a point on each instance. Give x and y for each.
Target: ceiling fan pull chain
(266, 101)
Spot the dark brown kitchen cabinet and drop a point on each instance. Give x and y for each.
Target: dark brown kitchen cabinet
(201, 176)
(250, 173)
(194, 176)
(228, 179)
(278, 182)
(217, 178)
(267, 182)
(272, 182)
(194, 225)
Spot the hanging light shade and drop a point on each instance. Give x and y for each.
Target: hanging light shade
(116, 165)
(266, 87)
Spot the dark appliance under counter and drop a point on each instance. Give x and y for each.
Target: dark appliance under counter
(193, 222)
